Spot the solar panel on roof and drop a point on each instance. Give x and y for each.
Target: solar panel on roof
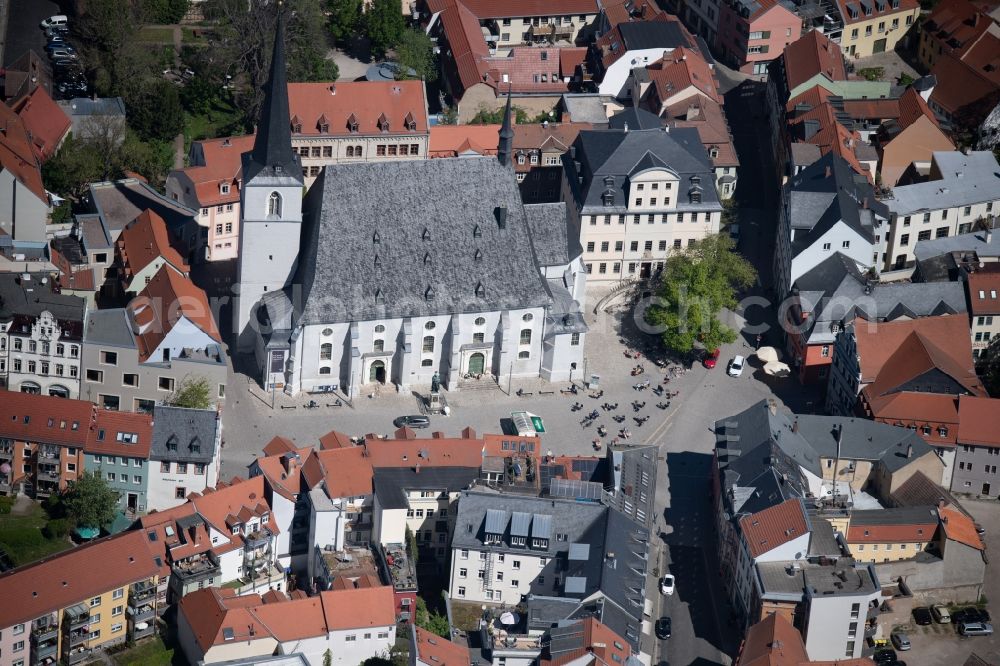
(573, 489)
(496, 521)
(584, 465)
(520, 523)
(541, 526)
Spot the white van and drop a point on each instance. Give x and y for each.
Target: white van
(57, 21)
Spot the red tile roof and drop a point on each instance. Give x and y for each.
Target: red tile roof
(365, 101)
(811, 97)
(912, 107)
(286, 481)
(157, 523)
(293, 620)
(979, 421)
(709, 119)
(957, 20)
(220, 162)
(74, 576)
(165, 300)
(969, 85)
(813, 54)
(484, 9)
(526, 69)
(359, 608)
(959, 527)
(774, 526)
(905, 6)
(46, 123)
(221, 506)
(600, 641)
(984, 293)
(911, 533)
(17, 154)
(278, 445)
(628, 11)
(143, 241)
(455, 140)
(104, 439)
(431, 648)
(210, 610)
(46, 419)
(773, 642)
(682, 69)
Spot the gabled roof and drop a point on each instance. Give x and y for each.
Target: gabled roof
(367, 101)
(17, 153)
(46, 419)
(215, 162)
(283, 471)
(224, 504)
(968, 85)
(893, 525)
(432, 649)
(589, 636)
(459, 140)
(775, 526)
(145, 240)
(45, 122)
(877, 9)
(984, 292)
(681, 69)
(979, 421)
(108, 434)
(186, 435)
(626, 11)
(74, 576)
(359, 608)
(813, 53)
(162, 303)
(663, 31)
(773, 642)
(959, 527)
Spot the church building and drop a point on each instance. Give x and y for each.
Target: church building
(387, 273)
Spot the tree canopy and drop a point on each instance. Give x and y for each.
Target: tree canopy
(415, 51)
(988, 367)
(384, 25)
(344, 19)
(432, 621)
(696, 284)
(193, 392)
(89, 501)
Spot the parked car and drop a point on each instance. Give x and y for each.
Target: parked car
(900, 640)
(941, 614)
(922, 616)
(412, 422)
(59, 20)
(736, 366)
(57, 38)
(734, 232)
(884, 656)
(980, 530)
(711, 358)
(59, 45)
(971, 614)
(64, 52)
(667, 585)
(663, 628)
(975, 629)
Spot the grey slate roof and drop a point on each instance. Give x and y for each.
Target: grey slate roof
(835, 291)
(965, 180)
(971, 242)
(635, 118)
(616, 153)
(862, 439)
(109, 327)
(30, 298)
(391, 483)
(419, 220)
(587, 107)
(272, 154)
(122, 201)
(189, 429)
(900, 515)
(653, 34)
(556, 239)
(101, 106)
(817, 201)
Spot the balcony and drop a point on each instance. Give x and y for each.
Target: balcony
(41, 651)
(45, 632)
(48, 452)
(5, 486)
(77, 656)
(258, 539)
(197, 568)
(76, 617)
(48, 473)
(141, 613)
(141, 592)
(46, 488)
(77, 637)
(6, 451)
(142, 630)
(261, 578)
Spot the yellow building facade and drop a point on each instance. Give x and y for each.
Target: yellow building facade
(875, 26)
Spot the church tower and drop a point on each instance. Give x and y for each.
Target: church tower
(505, 147)
(270, 203)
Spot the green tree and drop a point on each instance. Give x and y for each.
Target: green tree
(487, 116)
(163, 11)
(328, 658)
(695, 286)
(89, 501)
(433, 622)
(157, 114)
(415, 51)
(344, 19)
(988, 367)
(384, 25)
(193, 392)
(411, 545)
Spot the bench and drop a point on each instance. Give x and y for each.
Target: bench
(548, 392)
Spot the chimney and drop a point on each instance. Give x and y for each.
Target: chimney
(864, 203)
(829, 172)
(909, 450)
(773, 407)
(625, 126)
(416, 468)
(795, 425)
(941, 503)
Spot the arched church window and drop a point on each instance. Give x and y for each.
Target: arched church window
(274, 204)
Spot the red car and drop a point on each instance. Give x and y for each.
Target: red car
(711, 358)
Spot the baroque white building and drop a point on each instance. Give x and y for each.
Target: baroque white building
(394, 272)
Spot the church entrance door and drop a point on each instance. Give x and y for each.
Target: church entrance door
(376, 373)
(476, 363)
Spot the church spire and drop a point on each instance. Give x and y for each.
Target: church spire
(272, 149)
(505, 149)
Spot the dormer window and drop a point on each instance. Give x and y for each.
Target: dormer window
(379, 296)
(323, 125)
(296, 125)
(195, 445)
(383, 124)
(480, 291)
(172, 443)
(224, 188)
(265, 518)
(410, 122)
(237, 528)
(352, 124)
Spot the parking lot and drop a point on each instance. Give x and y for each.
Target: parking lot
(938, 644)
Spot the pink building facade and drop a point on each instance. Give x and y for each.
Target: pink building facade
(752, 33)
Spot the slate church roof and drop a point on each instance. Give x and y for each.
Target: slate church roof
(395, 239)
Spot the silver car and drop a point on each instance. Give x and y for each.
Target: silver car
(900, 640)
(975, 629)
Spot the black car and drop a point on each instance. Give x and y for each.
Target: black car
(961, 615)
(663, 628)
(412, 422)
(973, 614)
(922, 616)
(884, 656)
